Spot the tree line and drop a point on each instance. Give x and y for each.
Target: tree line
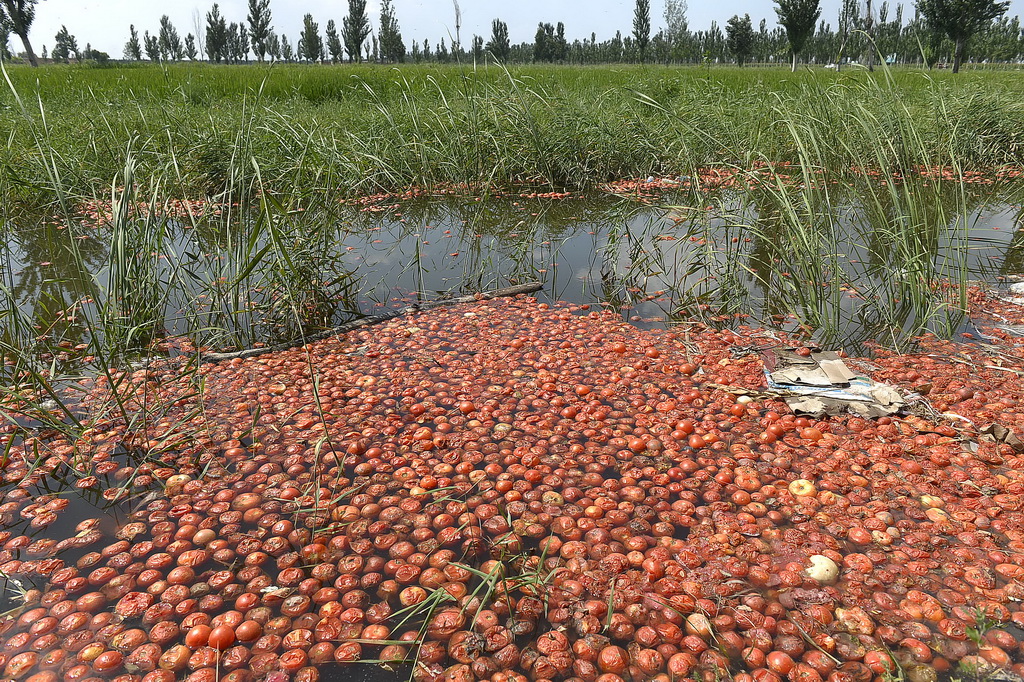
(939, 31)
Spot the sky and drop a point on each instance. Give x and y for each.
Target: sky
(104, 23)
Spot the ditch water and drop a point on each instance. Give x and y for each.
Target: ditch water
(688, 257)
(850, 280)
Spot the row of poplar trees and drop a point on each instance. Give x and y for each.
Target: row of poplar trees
(220, 41)
(235, 41)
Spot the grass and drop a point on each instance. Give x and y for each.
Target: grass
(356, 129)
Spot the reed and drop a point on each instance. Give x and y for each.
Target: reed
(352, 130)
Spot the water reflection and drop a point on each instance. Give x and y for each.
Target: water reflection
(854, 269)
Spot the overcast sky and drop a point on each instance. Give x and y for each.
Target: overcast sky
(104, 23)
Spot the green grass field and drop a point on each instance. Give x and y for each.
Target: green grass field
(202, 129)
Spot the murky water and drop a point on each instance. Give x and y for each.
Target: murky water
(656, 264)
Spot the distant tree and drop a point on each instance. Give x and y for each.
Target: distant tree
(334, 46)
(287, 53)
(849, 13)
(216, 35)
(442, 51)
(676, 28)
(231, 47)
(660, 48)
(867, 25)
(960, 20)
(190, 48)
(541, 42)
(5, 37)
(392, 48)
(355, 28)
(170, 43)
(18, 16)
(242, 44)
(427, 54)
(609, 50)
(498, 45)
(311, 45)
(798, 17)
(375, 51)
(44, 52)
(888, 35)
(739, 34)
(65, 44)
(259, 26)
(416, 52)
(457, 44)
(97, 56)
(478, 48)
(152, 47)
(133, 48)
(274, 46)
(642, 27)
(560, 49)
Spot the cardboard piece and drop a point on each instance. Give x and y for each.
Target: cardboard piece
(822, 383)
(1001, 434)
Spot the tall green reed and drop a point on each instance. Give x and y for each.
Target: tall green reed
(866, 228)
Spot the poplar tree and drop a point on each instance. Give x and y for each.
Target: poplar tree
(676, 28)
(133, 48)
(18, 15)
(64, 45)
(642, 26)
(170, 42)
(798, 17)
(960, 20)
(311, 45)
(498, 45)
(216, 34)
(259, 26)
(334, 42)
(152, 46)
(274, 46)
(739, 34)
(5, 35)
(355, 28)
(392, 47)
(242, 43)
(231, 48)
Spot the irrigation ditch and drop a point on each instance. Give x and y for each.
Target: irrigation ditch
(257, 427)
(517, 488)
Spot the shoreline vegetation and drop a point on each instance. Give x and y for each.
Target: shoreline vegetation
(297, 131)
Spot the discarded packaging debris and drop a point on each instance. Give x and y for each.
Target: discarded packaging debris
(1001, 434)
(820, 383)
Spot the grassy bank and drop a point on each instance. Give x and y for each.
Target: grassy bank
(202, 130)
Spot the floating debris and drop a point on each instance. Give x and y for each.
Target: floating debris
(816, 383)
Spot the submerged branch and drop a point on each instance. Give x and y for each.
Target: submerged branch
(528, 288)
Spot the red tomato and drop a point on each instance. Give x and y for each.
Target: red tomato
(198, 636)
(780, 662)
(221, 637)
